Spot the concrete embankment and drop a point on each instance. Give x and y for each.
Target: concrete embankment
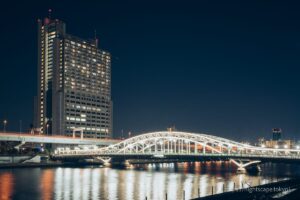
(13, 158)
(20, 161)
(46, 164)
(287, 189)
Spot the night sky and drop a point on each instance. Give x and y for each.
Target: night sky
(220, 67)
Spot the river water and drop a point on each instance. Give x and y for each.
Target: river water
(153, 181)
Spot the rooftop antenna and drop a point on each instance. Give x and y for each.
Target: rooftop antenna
(95, 36)
(49, 13)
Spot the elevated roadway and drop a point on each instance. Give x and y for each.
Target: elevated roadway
(54, 139)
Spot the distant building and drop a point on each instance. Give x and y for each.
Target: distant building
(276, 134)
(276, 141)
(282, 144)
(74, 83)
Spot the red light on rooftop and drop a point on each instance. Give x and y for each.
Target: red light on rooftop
(46, 20)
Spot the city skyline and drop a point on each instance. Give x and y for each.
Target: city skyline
(229, 75)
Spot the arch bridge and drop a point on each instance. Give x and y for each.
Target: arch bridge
(164, 145)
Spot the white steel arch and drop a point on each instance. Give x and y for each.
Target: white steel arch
(175, 142)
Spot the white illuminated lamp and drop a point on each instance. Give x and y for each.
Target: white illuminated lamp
(285, 146)
(297, 147)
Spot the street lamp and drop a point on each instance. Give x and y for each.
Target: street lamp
(4, 125)
(20, 126)
(47, 129)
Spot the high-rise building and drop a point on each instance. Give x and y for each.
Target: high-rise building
(74, 83)
(276, 134)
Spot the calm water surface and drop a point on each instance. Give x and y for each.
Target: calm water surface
(138, 182)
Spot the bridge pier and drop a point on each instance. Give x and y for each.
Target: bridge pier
(242, 166)
(19, 145)
(106, 161)
(119, 163)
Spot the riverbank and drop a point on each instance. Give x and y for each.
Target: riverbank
(286, 189)
(45, 164)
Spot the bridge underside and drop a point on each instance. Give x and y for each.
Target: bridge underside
(173, 158)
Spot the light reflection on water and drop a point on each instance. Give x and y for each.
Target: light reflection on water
(153, 181)
(6, 185)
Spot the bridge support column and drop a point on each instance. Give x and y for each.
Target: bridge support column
(19, 145)
(106, 161)
(242, 166)
(119, 162)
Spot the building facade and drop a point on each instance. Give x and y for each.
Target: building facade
(74, 83)
(276, 133)
(277, 141)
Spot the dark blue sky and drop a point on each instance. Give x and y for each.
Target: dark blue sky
(229, 68)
